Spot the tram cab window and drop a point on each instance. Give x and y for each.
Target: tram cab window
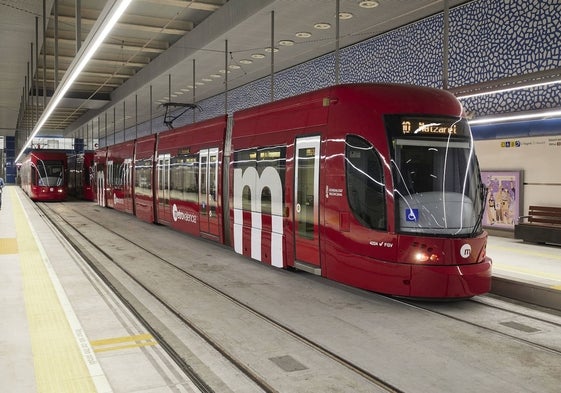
(365, 183)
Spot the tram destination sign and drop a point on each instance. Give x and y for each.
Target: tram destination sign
(434, 127)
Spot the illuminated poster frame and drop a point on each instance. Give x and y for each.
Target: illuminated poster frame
(504, 199)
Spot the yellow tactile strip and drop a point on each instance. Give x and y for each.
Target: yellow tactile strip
(59, 364)
(8, 246)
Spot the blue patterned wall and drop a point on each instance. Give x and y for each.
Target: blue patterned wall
(489, 39)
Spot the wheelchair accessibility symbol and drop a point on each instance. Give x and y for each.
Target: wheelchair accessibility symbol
(411, 215)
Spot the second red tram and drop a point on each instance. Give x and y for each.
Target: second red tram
(375, 186)
(43, 174)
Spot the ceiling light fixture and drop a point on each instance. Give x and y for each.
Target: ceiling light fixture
(109, 16)
(286, 42)
(268, 50)
(345, 15)
(258, 56)
(513, 88)
(245, 61)
(368, 4)
(234, 67)
(527, 116)
(215, 76)
(322, 26)
(303, 34)
(206, 80)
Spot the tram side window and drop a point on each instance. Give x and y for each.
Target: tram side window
(185, 178)
(244, 159)
(365, 183)
(274, 157)
(261, 159)
(143, 178)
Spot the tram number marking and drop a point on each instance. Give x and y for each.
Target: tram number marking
(381, 244)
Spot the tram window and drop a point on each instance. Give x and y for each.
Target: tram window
(185, 178)
(365, 183)
(143, 182)
(261, 159)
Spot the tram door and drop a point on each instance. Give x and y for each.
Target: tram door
(306, 200)
(100, 184)
(163, 208)
(126, 177)
(208, 183)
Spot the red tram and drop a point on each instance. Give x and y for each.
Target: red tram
(375, 186)
(80, 175)
(42, 175)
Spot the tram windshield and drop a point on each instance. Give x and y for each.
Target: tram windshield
(50, 173)
(437, 184)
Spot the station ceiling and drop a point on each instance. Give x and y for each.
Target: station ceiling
(169, 46)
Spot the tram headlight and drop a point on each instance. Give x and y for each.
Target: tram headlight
(421, 257)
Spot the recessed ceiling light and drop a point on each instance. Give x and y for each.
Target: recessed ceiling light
(322, 26)
(368, 4)
(215, 76)
(258, 56)
(179, 93)
(245, 61)
(199, 84)
(185, 90)
(268, 50)
(234, 67)
(286, 42)
(345, 15)
(206, 80)
(174, 95)
(303, 34)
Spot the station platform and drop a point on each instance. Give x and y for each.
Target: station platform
(65, 331)
(62, 329)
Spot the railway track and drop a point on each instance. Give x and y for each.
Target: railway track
(505, 319)
(77, 228)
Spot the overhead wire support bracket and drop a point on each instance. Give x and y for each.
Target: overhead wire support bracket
(171, 111)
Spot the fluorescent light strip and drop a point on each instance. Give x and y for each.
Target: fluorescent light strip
(106, 26)
(529, 116)
(509, 89)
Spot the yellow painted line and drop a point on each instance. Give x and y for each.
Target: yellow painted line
(8, 246)
(121, 347)
(536, 273)
(119, 343)
(524, 252)
(62, 358)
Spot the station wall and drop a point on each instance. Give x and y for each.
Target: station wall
(484, 45)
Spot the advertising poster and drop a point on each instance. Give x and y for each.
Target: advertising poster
(503, 202)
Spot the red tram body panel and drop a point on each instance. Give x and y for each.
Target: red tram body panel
(188, 173)
(43, 175)
(374, 186)
(80, 175)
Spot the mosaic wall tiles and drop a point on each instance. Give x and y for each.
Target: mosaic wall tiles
(489, 39)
